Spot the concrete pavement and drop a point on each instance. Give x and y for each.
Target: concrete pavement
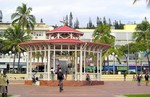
(109, 89)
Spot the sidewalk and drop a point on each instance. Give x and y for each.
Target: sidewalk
(109, 89)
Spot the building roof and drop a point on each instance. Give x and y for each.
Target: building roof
(72, 41)
(53, 41)
(64, 29)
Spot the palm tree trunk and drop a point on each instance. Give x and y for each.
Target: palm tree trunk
(104, 67)
(14, 61)
(18, 62)
(148, 60)
(108, 65)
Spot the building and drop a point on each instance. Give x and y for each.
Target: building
(123, 36)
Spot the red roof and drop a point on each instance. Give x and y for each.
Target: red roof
(54, 41)
(73, 41)
(65, 29)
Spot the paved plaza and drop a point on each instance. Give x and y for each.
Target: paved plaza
(109, 89)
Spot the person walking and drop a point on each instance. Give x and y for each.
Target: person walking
(146, 79)
(4, 84)
(52, 73)
(139, 77)
(88, 79)
(60, 77)
(124, 76)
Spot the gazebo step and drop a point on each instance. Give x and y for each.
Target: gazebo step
(65, 83)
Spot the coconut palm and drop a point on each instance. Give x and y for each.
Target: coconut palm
(142, 38)
(147, 1)
(23, 17)
(102, 35)
(13, 36)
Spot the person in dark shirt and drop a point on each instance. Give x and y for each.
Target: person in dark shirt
(88, 79)
(139, 77)
(124, 75)
(60, 77)
(146, 79)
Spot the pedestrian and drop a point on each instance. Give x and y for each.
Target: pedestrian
(4, 84)
(134, 77)
(124, 76)
(146, 79)
(52, 73)
(88, 79)
(139, 77)
(60, 77)
(58, 68)
(33, 79)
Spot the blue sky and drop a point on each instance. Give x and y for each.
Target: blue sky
(53, 11)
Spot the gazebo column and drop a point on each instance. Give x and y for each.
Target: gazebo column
(28, 64)
(100, 63)
(58, 35)
(48, 65)
(97, 65)
(54, 55)
(30, 67)
(75, 62)
(84, 59)
(81, 57)
(45, 62)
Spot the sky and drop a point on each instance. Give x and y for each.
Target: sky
(53, 11)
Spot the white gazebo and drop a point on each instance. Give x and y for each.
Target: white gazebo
(64, 42)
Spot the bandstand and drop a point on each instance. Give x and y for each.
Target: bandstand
(64, 43)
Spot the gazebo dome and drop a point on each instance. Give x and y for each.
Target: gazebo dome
(64, 32)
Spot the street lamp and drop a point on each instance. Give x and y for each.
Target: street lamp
(115, 61)
(8, 65)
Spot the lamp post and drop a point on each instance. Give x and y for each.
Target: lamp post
(9, 60)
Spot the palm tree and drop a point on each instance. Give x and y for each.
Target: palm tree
(102, 35)
(142, 38)
(22, 17)
(147, 1)
(13, 36)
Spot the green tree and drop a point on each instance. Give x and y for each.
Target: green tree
(70, 19)
(125, 51)
(104, 20)
(142, 38)
(76, 24)
(66, 20)
(13, 36)
(90, 24)
(102, 35)
(23, 17)
(98, 21)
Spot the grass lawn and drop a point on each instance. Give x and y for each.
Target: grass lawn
(138, 95)
(7, 95)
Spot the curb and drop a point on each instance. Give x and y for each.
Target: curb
(15, 96)
(120, 96)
